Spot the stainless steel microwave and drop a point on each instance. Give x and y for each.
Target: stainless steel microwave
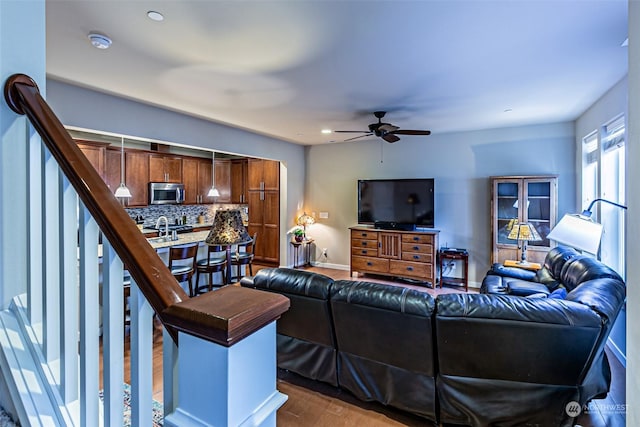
(165, 193)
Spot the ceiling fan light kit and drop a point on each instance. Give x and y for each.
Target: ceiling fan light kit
(386, 131)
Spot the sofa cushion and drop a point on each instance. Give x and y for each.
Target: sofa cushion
(556, 259)
(583, 268)
(522, 288)
(560, 293)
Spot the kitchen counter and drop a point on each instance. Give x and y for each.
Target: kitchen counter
(183, 239)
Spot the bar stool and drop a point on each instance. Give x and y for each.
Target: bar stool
(244, 256)
(216, 262)
(183, 269)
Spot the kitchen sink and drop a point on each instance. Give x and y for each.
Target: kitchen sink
(162, 239)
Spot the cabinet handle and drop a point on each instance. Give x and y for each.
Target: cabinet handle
(364, 252)
(369, 263)
(415, 248)
(416, 257)
(409, 268)
(416, 238)
(364, 243)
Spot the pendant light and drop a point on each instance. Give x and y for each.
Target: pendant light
(214, 191)
(122, 190)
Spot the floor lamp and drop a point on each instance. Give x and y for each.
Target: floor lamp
(580, 231)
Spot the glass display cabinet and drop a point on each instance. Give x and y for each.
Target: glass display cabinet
(531, 199)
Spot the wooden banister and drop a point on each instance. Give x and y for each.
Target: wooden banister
(166, 297)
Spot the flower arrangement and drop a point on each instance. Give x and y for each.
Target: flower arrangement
(298, 233)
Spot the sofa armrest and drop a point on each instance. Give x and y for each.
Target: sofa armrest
(498, 269)
(247, 282)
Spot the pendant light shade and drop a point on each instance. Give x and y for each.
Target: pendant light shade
(213, 192)
(122, 191)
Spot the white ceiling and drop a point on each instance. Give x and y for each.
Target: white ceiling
(289, 68)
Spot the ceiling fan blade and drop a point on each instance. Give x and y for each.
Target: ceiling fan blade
(356, 137)
(350, 131)
(412, 132)
(389, 137)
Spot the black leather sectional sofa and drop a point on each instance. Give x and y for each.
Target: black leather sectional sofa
(463, 359)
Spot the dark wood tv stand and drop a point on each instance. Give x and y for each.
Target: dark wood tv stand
(405, 254)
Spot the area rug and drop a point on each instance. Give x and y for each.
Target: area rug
(158, 412)
(5, 419)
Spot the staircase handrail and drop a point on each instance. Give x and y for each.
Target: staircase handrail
(224, 317)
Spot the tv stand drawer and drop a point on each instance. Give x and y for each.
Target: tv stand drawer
(406, 268)
(369, 264)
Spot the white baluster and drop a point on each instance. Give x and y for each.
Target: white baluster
(34, 210)
(112, 335)
(89, 320)
(51, 325)
(141, 358)
(69, 291)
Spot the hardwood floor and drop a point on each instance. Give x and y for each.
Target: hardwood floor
(312, 403)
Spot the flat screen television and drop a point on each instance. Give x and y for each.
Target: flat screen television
(387, 202)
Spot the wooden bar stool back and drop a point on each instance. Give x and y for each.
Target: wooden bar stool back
(216, 262)
(182, 263)
(244, 257)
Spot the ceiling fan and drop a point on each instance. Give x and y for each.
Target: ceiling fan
(385, 131)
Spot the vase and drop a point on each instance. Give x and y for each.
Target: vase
(298, 238)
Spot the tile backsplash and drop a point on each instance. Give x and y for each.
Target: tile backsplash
(176, 212)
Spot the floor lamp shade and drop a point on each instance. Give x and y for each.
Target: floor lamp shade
(577, 231)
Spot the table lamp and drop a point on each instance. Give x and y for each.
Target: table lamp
(305, 220)
(228, 229)
(523, 232)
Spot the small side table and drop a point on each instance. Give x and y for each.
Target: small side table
(455, 281)
(306, 252)
(533, 266)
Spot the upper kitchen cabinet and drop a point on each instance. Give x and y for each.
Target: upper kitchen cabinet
(165, 168)
(223, 180)
(95, 153)
(263, 175)
(136, 172)
(190, 180)
(531, 199)
(239, 181)
(112, 162)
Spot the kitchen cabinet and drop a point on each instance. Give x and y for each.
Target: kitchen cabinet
(263, 175)
(190, 180)
(239, 181)
(204, 180)
(136, 172)
(223, 180)
(95, 153)
(531, 199)
(263, 198)
(165, 168)
(112, 162)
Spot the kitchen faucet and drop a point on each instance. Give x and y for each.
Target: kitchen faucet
(166, 226)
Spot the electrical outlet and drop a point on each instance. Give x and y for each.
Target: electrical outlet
(324, 252)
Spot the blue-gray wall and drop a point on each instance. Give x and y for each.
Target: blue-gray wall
(461, 164)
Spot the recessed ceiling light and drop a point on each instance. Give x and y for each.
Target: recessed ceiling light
(326, 131)
(99, 41)
(155, 16)
(508, 110)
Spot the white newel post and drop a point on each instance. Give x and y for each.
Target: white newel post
(235, 384)
(227, 386)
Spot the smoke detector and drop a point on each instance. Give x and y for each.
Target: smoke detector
(99, 41)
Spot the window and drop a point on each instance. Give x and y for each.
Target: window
(603, 176)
